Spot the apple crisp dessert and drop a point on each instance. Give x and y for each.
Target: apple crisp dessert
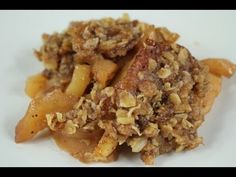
(113, 82)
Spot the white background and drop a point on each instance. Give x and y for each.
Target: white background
(204, 33)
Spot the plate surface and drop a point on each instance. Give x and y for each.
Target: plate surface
(204, 33)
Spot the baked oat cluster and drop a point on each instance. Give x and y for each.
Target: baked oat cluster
(129, 83)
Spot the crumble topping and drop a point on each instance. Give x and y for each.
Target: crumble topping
(156, 107)
(129, 83)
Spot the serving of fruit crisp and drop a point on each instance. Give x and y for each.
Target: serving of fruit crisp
(118, 82)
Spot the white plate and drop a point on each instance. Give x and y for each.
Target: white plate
(204, 33)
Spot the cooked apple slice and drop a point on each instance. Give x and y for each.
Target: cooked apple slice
(212, 92)
(103, 71)
(81, 145)
(220, 67)
(35, 84)
(80, 80)
(34, 119)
